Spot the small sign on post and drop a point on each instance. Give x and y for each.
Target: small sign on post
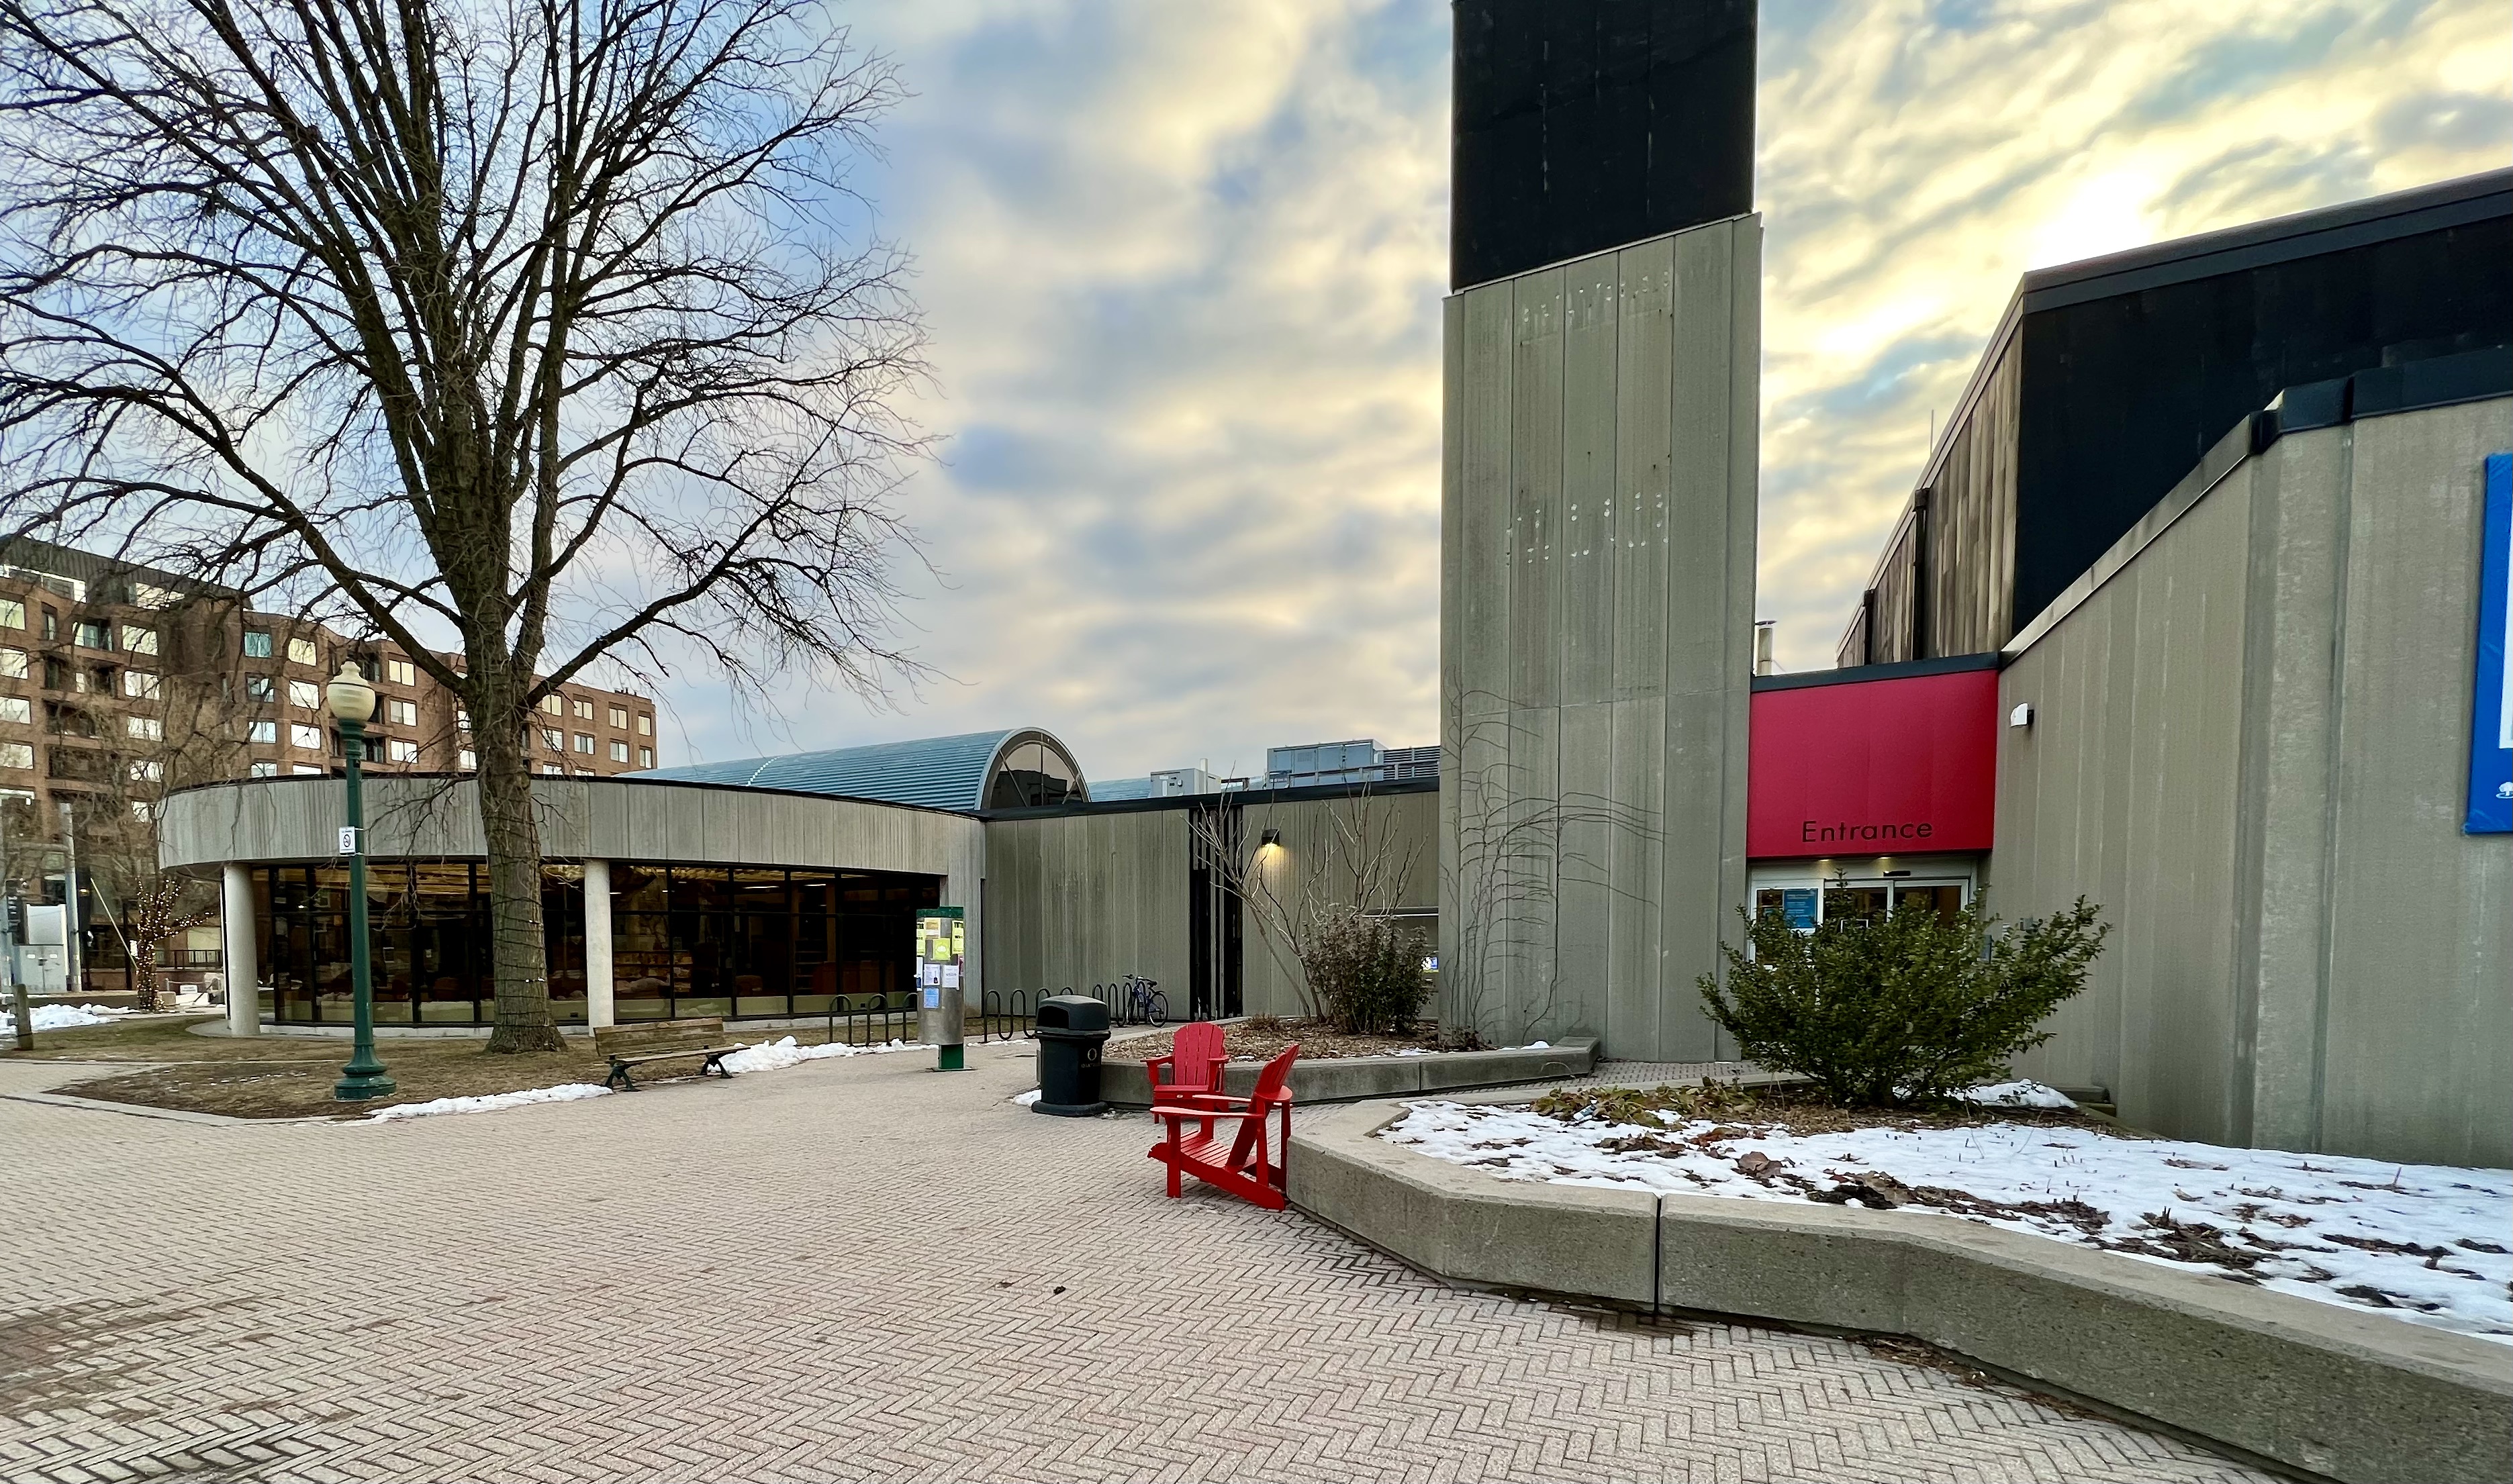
(348, 840)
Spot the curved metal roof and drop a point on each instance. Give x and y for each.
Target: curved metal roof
(932, 772)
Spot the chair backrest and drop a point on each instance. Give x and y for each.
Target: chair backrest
(1271, 1083)
(1197, 1044)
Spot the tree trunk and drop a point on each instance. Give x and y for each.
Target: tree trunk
(519, 954)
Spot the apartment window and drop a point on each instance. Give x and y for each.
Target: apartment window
(147, 597)
(257, 644)
(585, 743)
(305, 695)
(79, 680)
(555, 741)
(144, 728)
(147, 770)
(467, 759)
(620, 718)
(13, 664)
(141, 683)
(553, 705)
(584, 709)
(16, 754)
(262, 732)
(13, 613)
(401, 672)
(139, 640)
(399, 750)
(301, 769)
(619, 751)
(265, 770)
(260, 687)
(552, 767)
(645, 756)
(306, 735)
(52, 625)
(402, 713)
(461, 719)
(17, 708)
(89, 634)
(143, 810)
(302, 651)
(645, 724)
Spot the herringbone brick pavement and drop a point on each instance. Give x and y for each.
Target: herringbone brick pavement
(853, 1270)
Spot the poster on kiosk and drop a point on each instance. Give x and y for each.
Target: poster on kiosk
(941, 954)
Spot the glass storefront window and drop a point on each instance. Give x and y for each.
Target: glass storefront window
(686, 940)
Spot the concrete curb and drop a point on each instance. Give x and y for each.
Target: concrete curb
(1353, 1078)
(2349, 1396)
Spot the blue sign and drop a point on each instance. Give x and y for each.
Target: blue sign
(2490, 721)
(1796, 905)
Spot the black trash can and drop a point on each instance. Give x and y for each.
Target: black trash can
(1071, 1030)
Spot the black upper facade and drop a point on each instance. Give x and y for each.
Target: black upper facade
(1582, 125)
(2108, 380)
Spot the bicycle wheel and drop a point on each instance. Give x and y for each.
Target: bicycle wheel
(1160, 1006)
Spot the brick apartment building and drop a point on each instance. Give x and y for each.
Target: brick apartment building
(118, 684)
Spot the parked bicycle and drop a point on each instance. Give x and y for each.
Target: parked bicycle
(1144, 1002)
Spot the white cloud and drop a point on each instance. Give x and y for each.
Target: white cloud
(1183, 265)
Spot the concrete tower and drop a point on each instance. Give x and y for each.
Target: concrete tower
(1602, 379)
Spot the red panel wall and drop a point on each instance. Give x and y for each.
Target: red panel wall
(1874, 767)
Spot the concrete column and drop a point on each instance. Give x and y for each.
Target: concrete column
(243, 965)
(597, 943)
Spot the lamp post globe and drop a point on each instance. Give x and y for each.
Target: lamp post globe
(353, 700)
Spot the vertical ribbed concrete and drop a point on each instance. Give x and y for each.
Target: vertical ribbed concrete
(1597, 610)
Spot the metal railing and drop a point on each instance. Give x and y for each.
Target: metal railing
(1010, 1015)
(873, 1019)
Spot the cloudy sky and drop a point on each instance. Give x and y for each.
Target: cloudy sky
(1182, 265)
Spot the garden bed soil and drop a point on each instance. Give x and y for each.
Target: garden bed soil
(1264, 1038)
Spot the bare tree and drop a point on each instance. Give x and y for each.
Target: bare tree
(1517, 839)
(1360, 862)
(550, 326)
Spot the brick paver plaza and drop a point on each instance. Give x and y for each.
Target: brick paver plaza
(853, 1270)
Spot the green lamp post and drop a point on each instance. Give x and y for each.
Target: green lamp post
(353, 701)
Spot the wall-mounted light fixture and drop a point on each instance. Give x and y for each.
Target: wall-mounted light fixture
(2021, 716)
(1270, 838)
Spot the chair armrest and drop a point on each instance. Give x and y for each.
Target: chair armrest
(1198, 1112)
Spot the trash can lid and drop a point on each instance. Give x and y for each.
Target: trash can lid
(1072, 1012)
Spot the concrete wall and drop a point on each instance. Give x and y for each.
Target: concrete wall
(1597, 571)
(1081, 899)
(2250, 746)
(299, 819)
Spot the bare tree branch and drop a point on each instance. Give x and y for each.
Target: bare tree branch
(539, 328)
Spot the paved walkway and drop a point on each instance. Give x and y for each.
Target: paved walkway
(851, 1269)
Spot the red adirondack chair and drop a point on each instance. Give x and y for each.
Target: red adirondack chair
(1251, 1165)
(1193, 1065)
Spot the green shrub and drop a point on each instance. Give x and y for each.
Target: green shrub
(1365, 972)
(1908, 1008)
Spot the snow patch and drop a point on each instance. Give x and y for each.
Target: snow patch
(783, 1052)
(2025, 1094)
(2427, 1243)
(64, 1016)
(565, 1092)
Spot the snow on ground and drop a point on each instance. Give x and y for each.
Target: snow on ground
(2015, 1094)
(62, 1017)
(565, 1092)
(776, 1054)
(783, 1052)
(1026, 1099)
(2421, 1242)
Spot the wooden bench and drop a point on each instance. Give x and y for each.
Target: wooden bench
(663, 1041)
